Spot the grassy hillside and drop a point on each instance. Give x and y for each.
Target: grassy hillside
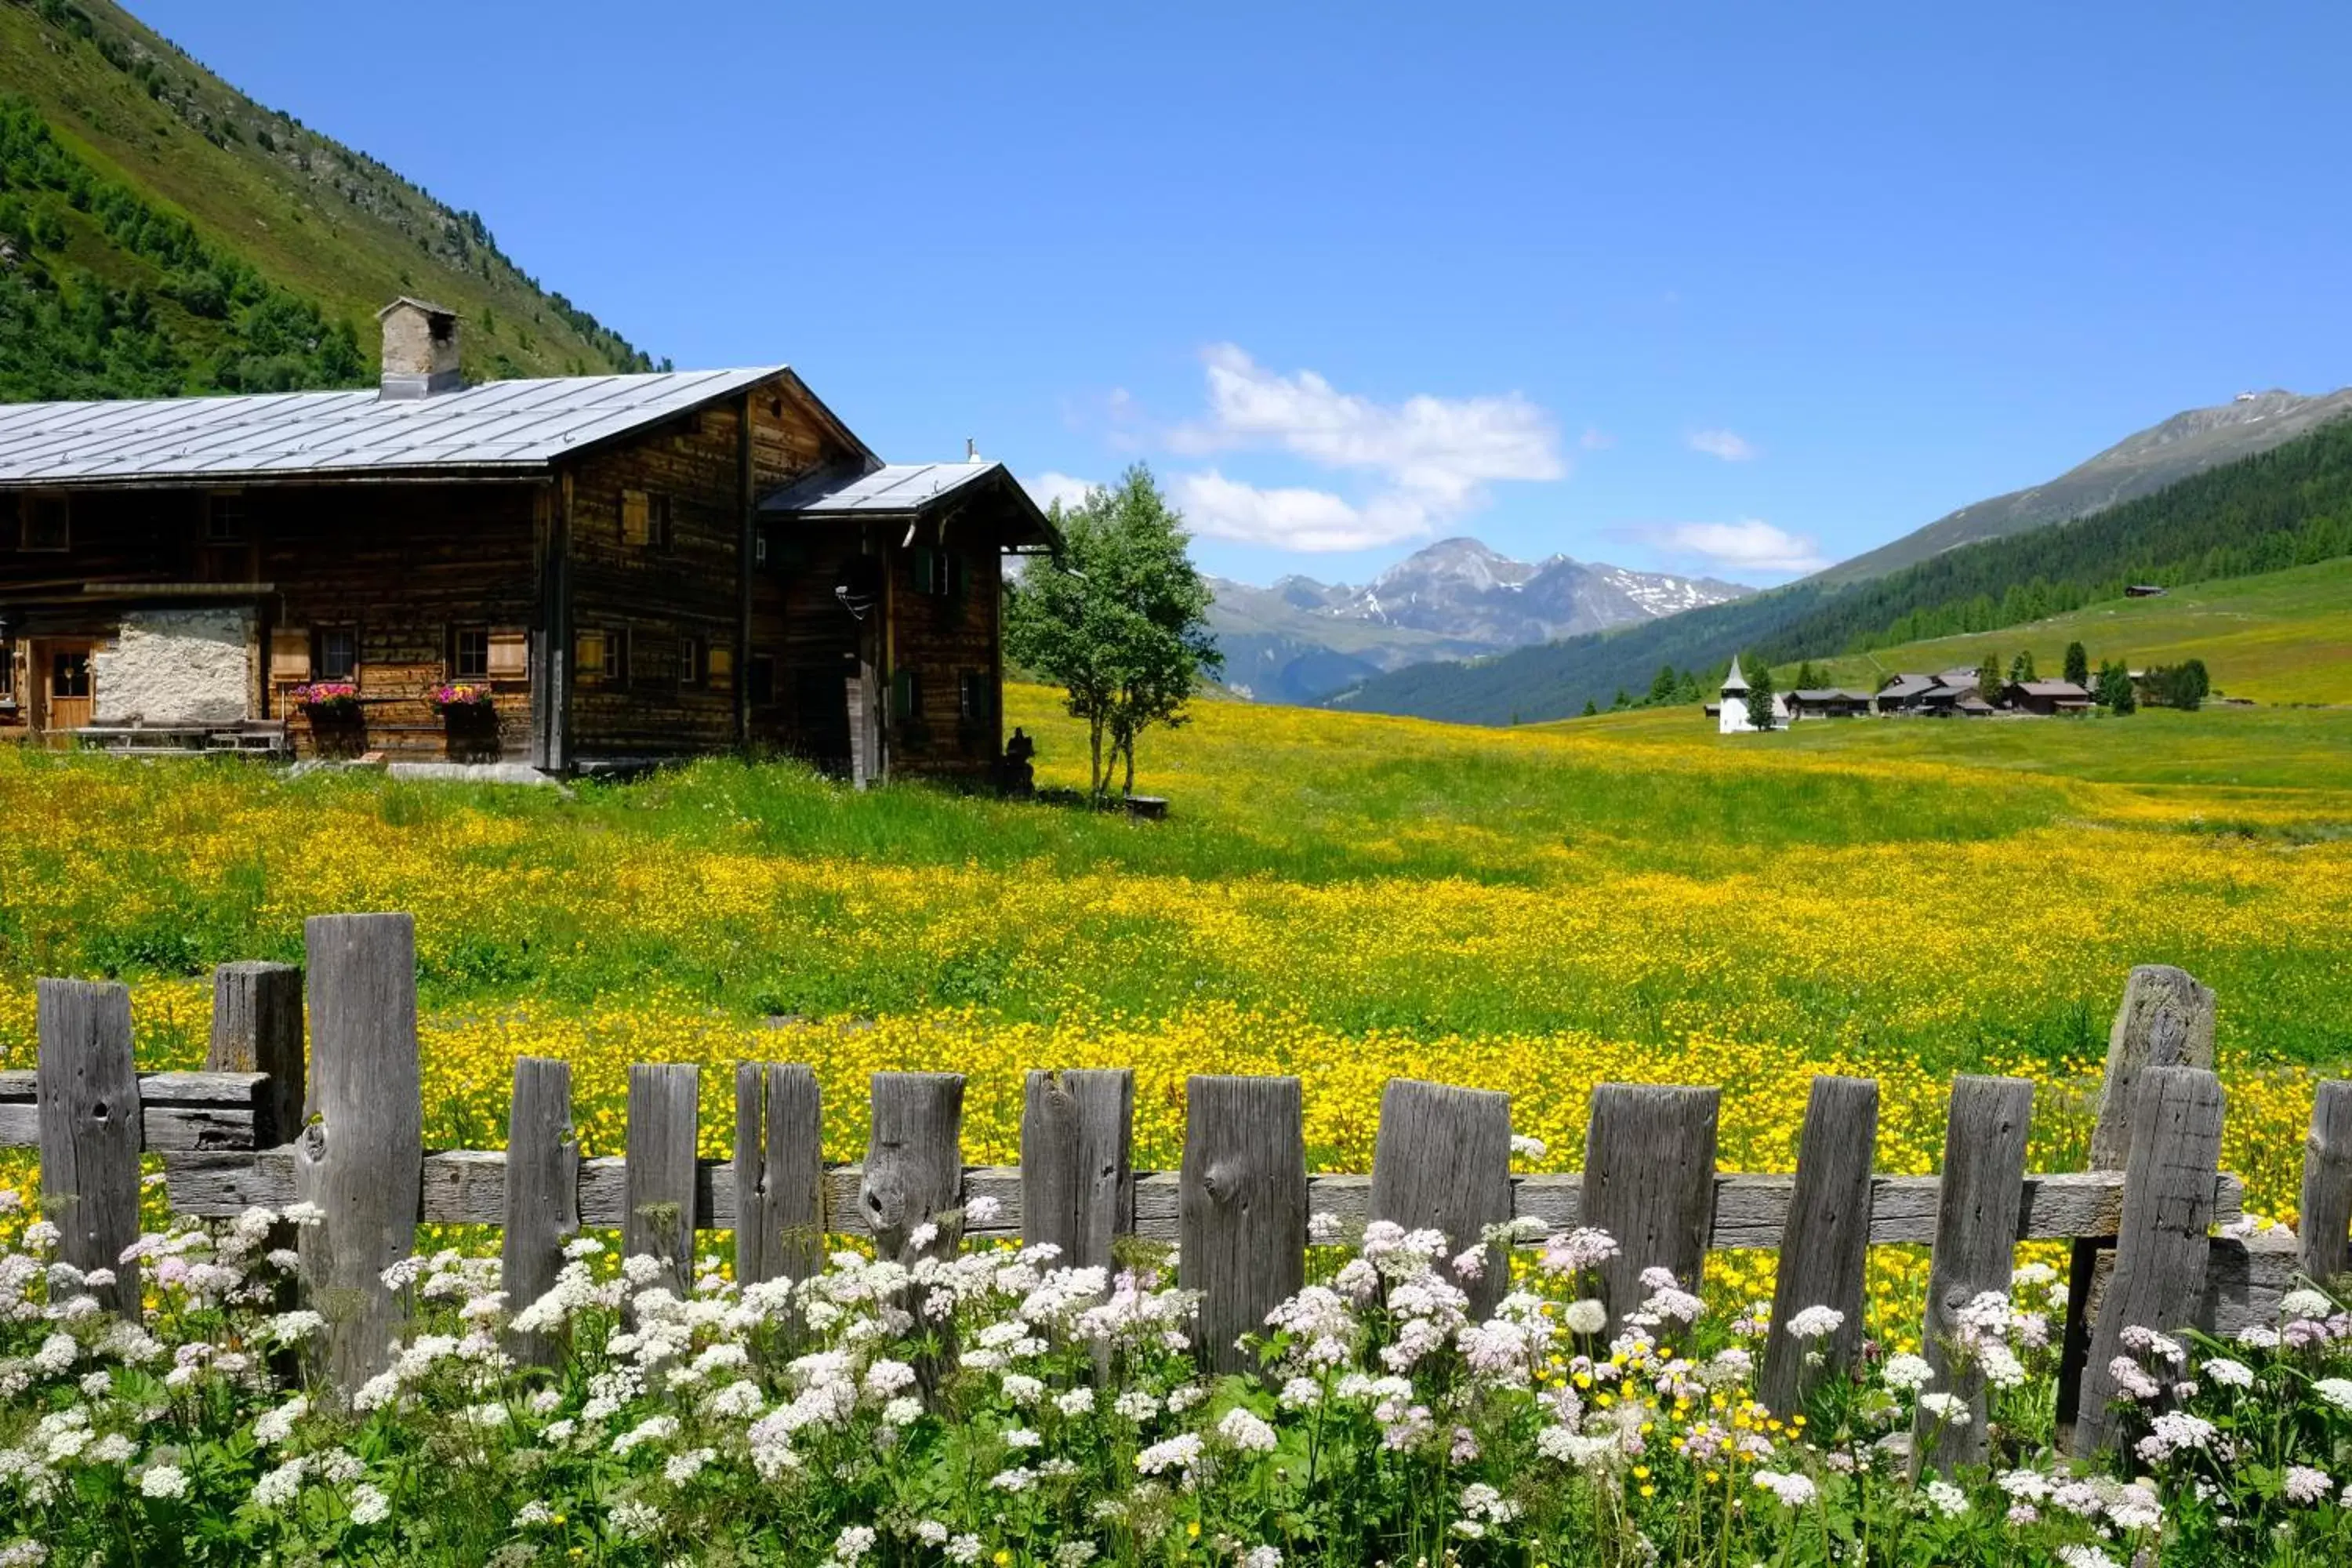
(321, 228)
(2285, 506)
(2283, 636)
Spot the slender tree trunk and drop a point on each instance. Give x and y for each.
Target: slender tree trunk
(1129, 749)
(1098, 775)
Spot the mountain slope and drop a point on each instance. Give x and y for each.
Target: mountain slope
(175, 206)
(2289, 505)
(2279, 636)
(2139, 465)
(1300, 640)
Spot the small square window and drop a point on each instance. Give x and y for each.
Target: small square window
(339, 653)
(972, 696)
(470, 657)
(690, 666)
(224, 518)
(646, 519)
(46, 524)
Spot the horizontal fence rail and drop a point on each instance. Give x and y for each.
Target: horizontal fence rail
(270, 1125)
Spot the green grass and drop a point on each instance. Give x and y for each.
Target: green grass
(291, 221)
(2283, 636)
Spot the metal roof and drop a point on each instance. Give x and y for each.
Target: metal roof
(511, 426)
(893, 489)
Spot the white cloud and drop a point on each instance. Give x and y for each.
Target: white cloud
(1748, 545)
(1294, 516)
(1050, 487)
(1729, 444)
(1436, 455)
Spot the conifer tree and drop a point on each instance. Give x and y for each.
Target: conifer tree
(2078, 664)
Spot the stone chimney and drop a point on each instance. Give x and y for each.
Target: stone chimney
(420, 349)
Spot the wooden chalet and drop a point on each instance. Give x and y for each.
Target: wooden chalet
(570, 574)
(2046, 697)
(1827, 702)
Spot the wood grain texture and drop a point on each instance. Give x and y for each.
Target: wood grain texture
(1077, 1172)
(1442, 1160)
(1242, 1202)
(913, 1176)
(361, 1157)
(258, 1029)
(90, 1131)
(465, 1186)
(1977, 1199)
(2166, 1020)
(541, 1186)
(778, 1175)
(659, 1184)
(1649, 1182)
(1826, 1241)
(2162, 1249)
(2327, 1183)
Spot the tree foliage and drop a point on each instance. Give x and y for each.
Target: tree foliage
(1759, 696)
(185, 318)
(2078, 664)
(1118, 617)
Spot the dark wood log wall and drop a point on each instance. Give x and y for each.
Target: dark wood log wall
(407, 566)
(937, 639)
(680, 590)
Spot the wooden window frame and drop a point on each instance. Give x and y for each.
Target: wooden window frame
(321, 669)
(972, 697)
(228, 505)
(459, 639)
(616, 654)
(57, 658)
(27, 513)
(7, 669)
(693, 672)
(647, 518)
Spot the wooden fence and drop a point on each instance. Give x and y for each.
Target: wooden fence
(341, 1129)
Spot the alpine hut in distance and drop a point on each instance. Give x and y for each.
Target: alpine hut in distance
(570, 574)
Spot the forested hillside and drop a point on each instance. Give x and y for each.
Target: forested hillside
(162, 232)
(2284, 507)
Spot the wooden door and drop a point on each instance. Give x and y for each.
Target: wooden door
(63, 681)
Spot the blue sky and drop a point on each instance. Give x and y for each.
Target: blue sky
(1735, 288)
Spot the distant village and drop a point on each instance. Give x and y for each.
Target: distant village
(1978, 693)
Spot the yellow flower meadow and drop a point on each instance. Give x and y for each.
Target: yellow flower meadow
(1342, 898)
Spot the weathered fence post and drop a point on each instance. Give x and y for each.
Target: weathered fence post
(2166, 1020)
(2162, 1246)
(1077, 1172)
(1826, 1242)
(913, 1164)
(1649, 1182)
(1242, 1206)
(361, 1159)
(1443, 1162)
(1977, 1207)
(779, 1171)
(2326, 1227)
(658, 1181)
(87, 1089)
(543, 1192)
(258, 1028)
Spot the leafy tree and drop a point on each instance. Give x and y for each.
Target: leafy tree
(2078, 664)
(2179, 685)
(2115, 693)
(1989, 678)
(1760, 697)
(1119, 617)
